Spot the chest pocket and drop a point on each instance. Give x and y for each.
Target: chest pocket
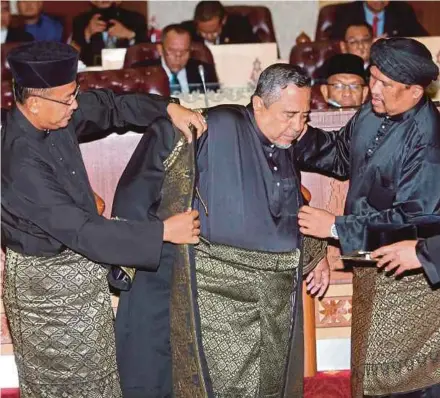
(382, 192)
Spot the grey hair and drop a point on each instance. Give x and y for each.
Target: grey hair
(276, 78)
(21, 94)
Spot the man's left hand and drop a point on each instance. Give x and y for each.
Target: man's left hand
(317, 281)
(315, 222)
(183, 117)
(120, 31)
(399, 256)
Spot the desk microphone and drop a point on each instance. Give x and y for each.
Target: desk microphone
(202, 77)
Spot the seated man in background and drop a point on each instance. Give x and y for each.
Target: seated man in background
(387, 18)
(213, 25)
(345, 81)
(106, 25)
(8, 33)
(40, 25)
(358, 38)
(182, 70)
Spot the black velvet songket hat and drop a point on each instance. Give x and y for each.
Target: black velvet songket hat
(43, 64)
(345, 63)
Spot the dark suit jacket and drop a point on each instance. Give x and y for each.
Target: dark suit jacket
(236, 30)
(192, 73)
(17, 35)
(400, 19)
(91, 52)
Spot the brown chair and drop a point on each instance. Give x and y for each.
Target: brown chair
(148, 79)
(311, 56)
(146, 51)
(326, 20)
(5, 48)
(260, 19)
(317, 102)
(7, 96)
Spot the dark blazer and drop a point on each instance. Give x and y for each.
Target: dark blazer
(91, 52)
(17, 35)
(192, 73)
(237, 29)
(428, 252)
(400, 19)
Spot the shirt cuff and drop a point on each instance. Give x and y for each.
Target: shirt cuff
(431, 271)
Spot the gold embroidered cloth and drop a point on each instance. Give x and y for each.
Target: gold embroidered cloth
(245, 309)
(61, 323)
(395, 333)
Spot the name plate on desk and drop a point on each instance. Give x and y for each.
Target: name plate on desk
(113, 58)
(241, 64)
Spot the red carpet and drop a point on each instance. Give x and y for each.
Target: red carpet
(323, 385)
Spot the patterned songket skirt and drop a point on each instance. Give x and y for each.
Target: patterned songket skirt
(246, 316)
(61, 322)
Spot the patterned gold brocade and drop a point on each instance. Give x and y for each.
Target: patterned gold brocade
(245, 308)
(177, 195)
(314, 251)
(61, 323)
(395, 333)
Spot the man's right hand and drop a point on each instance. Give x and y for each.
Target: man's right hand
(182, 228)
(96, 25)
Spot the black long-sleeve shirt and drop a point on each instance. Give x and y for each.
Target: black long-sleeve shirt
(47, 201)
(393, 164)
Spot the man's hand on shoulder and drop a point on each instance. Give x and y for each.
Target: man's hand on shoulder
(182, 118)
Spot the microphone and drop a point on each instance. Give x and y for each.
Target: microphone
(202, 77)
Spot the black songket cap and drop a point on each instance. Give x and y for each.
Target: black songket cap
(404, 60)
(345, 63)
(43, 64)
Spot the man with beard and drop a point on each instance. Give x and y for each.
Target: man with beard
(390, 151)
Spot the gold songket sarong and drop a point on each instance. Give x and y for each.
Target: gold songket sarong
(245, 303)
(61, 322)
(395, 333)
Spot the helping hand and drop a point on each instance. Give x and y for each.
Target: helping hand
(317, 281)
(183, 117)
(182, 228)
(315, 222)
(399, 256)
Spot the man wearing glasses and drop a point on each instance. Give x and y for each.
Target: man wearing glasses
(358, 39)
(56, 293)
(175, 58)
(345, 81)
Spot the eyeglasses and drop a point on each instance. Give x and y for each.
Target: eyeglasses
(358, 43)
(342, 86)
(66, 103)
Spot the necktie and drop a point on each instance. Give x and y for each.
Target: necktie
(375, 23)
(174, 83)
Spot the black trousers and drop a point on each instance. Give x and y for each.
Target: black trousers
(429, 392)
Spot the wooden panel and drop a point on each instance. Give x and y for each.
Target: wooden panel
(428, 14)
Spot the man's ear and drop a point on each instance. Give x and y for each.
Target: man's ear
(160, 49)
(324, 91)
(225, 18)
(417, 91)
(365, 91)
(257, 104)
(32, 105)
(343, 46)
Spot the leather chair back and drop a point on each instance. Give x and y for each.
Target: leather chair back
(147, 51)
(5, 48)
(260, 19)
(326, 19)
(311, 56)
